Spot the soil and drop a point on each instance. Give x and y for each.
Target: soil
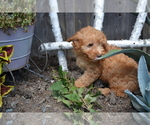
(31, 93)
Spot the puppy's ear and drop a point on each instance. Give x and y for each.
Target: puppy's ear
(106, 46)
(103, 42)
(73, 38)
(76, 42)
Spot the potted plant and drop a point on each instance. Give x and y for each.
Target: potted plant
(5, 53)
(140, 102)
(16, 28)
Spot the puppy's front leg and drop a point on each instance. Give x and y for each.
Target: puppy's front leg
(89, 76)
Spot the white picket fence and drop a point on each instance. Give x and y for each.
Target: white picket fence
(60, 45)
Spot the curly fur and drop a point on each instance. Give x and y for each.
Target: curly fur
(119, 71)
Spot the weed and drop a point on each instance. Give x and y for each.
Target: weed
(80, 100)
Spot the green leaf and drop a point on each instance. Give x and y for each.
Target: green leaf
(110, 53)
(139, 102)
(133, 53)
(143, 76)
(73, 88)
(97, 94)
(80, 90)
(2, 79)
(61, 72)
(3, 56)
(141, 118)
(147, 95)
(55, 93)
(79, 104)
(73, 97)
(93, 123)
(89, 99)
(68, 115)
(57, 86)
(60, 99)
(66, 102)
(64, 91)
(137, 106)
(93, 111)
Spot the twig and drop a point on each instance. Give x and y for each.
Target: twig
(119, 43)
(86, 106)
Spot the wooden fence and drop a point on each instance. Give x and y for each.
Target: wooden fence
(76, 14)
(88, 6)
(116, 26)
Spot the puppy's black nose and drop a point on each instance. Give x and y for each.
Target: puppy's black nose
(98, 56)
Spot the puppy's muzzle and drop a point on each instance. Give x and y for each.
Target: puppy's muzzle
(98, 56)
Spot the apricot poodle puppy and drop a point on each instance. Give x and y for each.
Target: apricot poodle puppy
(119, 71)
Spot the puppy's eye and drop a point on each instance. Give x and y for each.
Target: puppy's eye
(91, 44)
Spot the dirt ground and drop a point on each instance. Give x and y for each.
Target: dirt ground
(31, 93)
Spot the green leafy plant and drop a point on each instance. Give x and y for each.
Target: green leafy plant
(84, 118)
(16, 13)
(77, 99)
(133, 53)
(5, 54)
(143, 76)
(140, 103)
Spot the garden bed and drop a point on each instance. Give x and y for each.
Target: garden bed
(32, 92)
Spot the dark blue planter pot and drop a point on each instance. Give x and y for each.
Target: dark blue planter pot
(22, 42)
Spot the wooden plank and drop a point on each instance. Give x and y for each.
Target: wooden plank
(146, 30)
(70, 29)
(88, 6)
(61, 17)
(120, 6)
(76, 6)
(70, 24)
(66, 5)
(146, 35)
(118, 25)
(84, 6)
(83, 20)
(43, 27)
(42, 6)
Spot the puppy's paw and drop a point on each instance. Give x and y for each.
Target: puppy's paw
(121, 94)
(104, 91)
(79, 84)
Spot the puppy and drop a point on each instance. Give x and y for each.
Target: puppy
(119, 71)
